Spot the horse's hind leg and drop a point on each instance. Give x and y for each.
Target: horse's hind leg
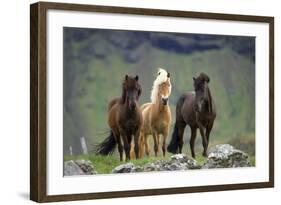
(120, 146)
(146, 145)
(141, 145)
(192, 140)
(181, 128)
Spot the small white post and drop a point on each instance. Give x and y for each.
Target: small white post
(70, 150)
(83, 145)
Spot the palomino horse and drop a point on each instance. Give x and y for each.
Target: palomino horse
(125, 121)
(157, 114)
(198, 110)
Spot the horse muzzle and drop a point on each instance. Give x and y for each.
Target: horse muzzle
(132, 105)
(164, 100)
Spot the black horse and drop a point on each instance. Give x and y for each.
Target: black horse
(197, 109)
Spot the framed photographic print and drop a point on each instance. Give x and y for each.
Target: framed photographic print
(134, 102)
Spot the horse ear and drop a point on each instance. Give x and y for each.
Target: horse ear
(168, 75)
(137, 77)
(126, 77)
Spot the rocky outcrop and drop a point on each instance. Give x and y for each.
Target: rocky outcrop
(220, 156)
(78, 167)
(124, 168)
(176, 162)
(226, 156)
(71, 168)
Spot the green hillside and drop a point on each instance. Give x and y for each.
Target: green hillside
(96, 61)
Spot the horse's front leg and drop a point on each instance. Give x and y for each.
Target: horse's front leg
(192, 140)
(137, 142)
(156, 143)
(208, 131)
(204, 139)
(203, 136)
(126, 143)
(119, 143)
(164, 148)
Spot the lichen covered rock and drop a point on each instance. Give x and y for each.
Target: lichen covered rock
(226, 156)
(78, 167)
(176, 162)
(124, 168)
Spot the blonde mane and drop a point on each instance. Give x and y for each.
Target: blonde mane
(162, 76)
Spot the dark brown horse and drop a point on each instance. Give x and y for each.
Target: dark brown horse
(196, 109)
(124, 120)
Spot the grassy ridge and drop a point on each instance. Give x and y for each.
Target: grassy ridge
(105, 164)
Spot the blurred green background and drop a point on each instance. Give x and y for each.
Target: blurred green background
(96, 61)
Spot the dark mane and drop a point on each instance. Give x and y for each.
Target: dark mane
(210, 99)
(203, 77)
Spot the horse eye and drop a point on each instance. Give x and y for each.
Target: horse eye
(159, 73)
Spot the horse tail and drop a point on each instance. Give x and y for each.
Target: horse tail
(174, 143)
(107, 146)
